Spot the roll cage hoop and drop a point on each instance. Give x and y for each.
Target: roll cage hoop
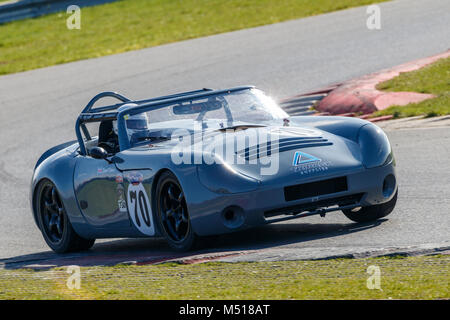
(109, 112)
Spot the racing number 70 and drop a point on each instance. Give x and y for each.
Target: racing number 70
(139, 199)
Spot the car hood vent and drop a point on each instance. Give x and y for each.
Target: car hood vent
(282, 145)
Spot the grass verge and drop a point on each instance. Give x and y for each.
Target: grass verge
(425, 277)
(134, 24)
(434, 79)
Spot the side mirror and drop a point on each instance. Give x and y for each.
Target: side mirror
(98, 153)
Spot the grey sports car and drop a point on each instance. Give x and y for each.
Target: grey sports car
(202, 163)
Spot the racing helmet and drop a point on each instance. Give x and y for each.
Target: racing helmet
(134, 123)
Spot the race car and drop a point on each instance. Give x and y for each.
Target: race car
(205, 162)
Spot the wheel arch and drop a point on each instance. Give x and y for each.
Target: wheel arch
(156, 178)
(53, 150)
(59, 170)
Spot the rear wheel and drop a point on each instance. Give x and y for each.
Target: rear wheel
(54, 223)
(172, 214)
(371, 213)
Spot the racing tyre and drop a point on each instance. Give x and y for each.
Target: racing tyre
(172, 214)
(371, 213)
(54, 223)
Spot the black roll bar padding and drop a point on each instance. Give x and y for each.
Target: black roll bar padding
(89, 109)
(80, 137)
(85, 131)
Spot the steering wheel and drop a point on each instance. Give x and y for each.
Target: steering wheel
(110, 147)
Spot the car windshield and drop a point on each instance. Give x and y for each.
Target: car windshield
(249, 106)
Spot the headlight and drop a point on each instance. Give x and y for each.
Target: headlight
(375, 147)
(221, 178)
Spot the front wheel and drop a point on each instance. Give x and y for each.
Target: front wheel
(371, 213)
(172, 213)
(54, 222)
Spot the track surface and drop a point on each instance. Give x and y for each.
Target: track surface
(38, 110)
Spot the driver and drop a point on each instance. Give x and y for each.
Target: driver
(135, 124)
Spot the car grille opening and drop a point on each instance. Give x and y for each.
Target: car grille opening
(314, 189)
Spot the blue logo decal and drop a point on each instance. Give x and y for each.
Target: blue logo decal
(302, 158)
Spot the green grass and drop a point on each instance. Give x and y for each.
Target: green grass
(425, 277)
(434, 79)
(135, 24)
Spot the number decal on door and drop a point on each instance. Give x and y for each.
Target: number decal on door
(140, 209)
(141, 203)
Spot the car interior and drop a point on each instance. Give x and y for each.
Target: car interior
(107, 138)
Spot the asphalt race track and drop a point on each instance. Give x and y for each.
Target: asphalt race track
(38, 110)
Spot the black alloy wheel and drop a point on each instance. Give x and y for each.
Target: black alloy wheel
(173, 216)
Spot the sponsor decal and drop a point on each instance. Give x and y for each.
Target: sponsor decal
(135, 177)
(122, 205)
(302, 158)
(304, 163)
(121, 195)
(312, 167)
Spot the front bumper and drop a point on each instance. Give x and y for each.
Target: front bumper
(213, 215)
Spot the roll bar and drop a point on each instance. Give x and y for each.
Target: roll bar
(109, 112)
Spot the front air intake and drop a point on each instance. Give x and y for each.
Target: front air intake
(314, 189)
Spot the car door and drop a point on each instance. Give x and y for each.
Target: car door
(100, 193)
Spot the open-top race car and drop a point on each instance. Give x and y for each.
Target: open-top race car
(204, 163)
